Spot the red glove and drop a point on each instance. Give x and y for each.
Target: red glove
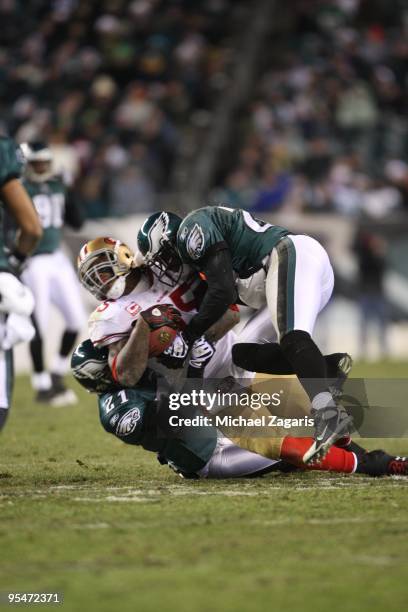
(161, 315)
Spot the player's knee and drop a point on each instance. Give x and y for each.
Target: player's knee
(295, 341)
(3, 417)
(244, 355)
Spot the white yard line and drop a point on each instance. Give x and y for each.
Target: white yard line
(97, 493)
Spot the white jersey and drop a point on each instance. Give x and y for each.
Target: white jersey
(113, 319)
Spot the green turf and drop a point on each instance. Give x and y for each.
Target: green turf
(83, 514)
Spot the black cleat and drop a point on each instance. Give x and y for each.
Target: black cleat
(331, 423)
(44, 396)
(398, 466)
(58, 394)
(380, 463)
(343, 370)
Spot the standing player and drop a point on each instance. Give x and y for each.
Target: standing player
(50, 275)
(14, 298)
(267, 267)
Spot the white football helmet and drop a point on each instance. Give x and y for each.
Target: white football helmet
(103, 265)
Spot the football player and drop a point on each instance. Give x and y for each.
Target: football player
(16, 302)
(265, 267)
(138, 415)
(108, 270)
(50, 275)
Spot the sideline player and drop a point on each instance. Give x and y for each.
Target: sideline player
(15, 299)
(136, 415)
(267, 267)
(50, 275)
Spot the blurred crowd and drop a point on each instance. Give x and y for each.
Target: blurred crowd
(111, 85)
(115, 86)
(326, 128)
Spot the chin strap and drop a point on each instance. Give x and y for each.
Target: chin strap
(117, 289)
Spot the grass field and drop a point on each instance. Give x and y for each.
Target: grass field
(104, 524)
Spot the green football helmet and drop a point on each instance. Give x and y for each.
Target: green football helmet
(39, 159)
(157, 239)
(90, 368)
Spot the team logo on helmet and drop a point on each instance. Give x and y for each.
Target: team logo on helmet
(90, 367)
(158, 233)
(103, 264)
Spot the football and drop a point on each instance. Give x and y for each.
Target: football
(160, 339)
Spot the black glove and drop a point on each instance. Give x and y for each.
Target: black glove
(175, 355)
(161, 315)
(16, 261)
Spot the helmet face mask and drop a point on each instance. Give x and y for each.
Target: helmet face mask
(91, 369)
(166, 264)
(157, 243)
(103, 265)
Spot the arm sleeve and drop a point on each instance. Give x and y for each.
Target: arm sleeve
(73, 213)
(221, 292)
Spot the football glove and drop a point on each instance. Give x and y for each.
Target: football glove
(201, 353)
(161, 315)
(18, 328)
(16, 261)
(175, 355)
(14, 296)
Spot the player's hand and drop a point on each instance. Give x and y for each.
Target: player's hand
(161, 315)
(175, 355)
(201, 353)
(16, 261)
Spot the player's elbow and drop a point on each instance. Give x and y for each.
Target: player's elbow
(32, 230)
(36, 232)
(226, 295)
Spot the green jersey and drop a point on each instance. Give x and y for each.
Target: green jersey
(11, 165)
(248, 239)
(49, 199)
(131, 415)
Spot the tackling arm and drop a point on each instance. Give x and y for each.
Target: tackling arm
(228, 320)
(128, 358)
(221, 292)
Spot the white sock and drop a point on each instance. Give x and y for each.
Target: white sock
(41, 381)
(60, 365)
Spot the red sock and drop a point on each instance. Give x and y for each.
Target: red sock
(336, 460)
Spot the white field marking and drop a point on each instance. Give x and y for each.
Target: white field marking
(91, 526)
(114, 498)
(312, 521)
(377, 560)
(200, 488)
